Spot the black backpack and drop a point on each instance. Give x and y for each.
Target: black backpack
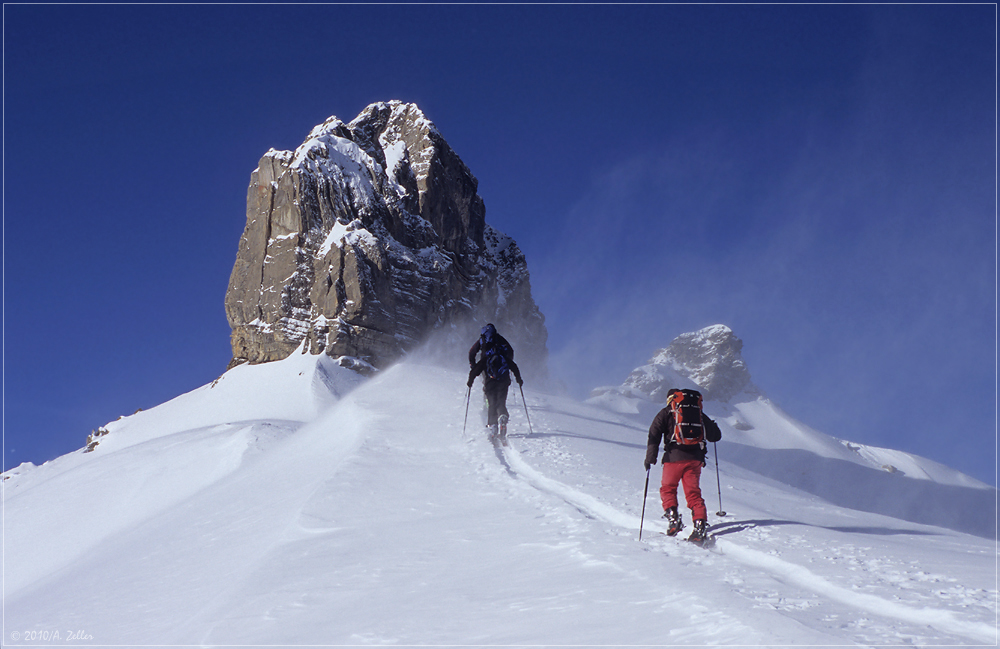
(496, 367)
(496, 352)
(689, 425)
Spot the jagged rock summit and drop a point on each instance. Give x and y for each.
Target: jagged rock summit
(708, 360)
(366, 239)
(711, 357)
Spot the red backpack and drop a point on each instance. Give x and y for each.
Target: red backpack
(689, 427)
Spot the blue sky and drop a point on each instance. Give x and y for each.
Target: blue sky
(822, 179)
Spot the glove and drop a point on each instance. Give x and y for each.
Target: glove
(651, 452)
(472, 380)
(520, 381)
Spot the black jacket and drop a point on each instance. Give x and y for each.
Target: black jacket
(478, 368)
(662, 428)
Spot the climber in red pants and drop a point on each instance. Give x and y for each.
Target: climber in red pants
(684, 429)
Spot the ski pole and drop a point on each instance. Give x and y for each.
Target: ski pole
(468, 396)
(718, 483)
(642, 517)
(525, 409)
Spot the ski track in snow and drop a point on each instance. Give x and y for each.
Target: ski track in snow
(586, 503)
(785, 571)
(939, 619)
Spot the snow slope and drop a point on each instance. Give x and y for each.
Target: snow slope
(293, 504)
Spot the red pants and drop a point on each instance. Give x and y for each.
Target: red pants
(690, 474)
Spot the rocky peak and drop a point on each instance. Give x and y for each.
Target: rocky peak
(710, 358)
(427, 176)
(365, 239)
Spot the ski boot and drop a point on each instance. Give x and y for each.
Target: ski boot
(492, 434)
(700, 533)
(503, 429)
(674, 524)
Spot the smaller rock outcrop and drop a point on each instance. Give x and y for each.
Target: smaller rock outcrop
(94, 438)
(709, 359)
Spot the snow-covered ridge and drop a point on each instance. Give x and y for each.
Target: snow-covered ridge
(163, 455)
(365, 515)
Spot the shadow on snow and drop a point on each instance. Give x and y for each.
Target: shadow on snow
(721, 529)
(867, 489)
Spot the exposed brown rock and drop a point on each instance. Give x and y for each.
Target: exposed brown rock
(366, 239)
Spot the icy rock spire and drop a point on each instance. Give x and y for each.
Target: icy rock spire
(366, 239)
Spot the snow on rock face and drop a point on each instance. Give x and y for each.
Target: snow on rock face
(708, 360)
(366, 239)
(711, 358)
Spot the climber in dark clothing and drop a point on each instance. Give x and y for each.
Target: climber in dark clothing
(495, 364)
(495, 390)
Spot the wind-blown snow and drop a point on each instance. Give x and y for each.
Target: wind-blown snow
(293, 504)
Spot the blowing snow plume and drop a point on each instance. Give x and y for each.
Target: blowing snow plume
(364, 240)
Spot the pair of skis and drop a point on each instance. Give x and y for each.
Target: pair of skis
(705, 541)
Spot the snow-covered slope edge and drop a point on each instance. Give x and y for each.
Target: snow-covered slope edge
(153, 460)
